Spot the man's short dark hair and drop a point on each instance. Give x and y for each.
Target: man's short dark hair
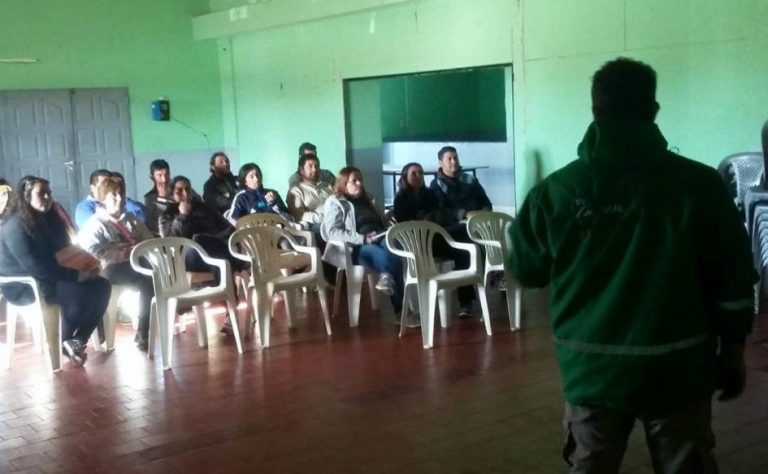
(304, 158)
(101, 173)
(213, 159)
(445, 150)
(158, 165)
(307, 148)
(624, 89)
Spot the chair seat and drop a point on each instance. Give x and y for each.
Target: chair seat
(296, 279)
(457, 277)
(294, 260)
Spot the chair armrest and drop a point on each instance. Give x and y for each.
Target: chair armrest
(470, 248)
(136, 263)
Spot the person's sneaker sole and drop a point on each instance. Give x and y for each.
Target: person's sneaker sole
(77, 358)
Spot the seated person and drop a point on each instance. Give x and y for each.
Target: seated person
(459, 192)
(351, 217)
(305, 200)
(221, 187)
(414, 201)
(463, 196)
(5, 200)
(87, 206)
(188, 216)
(323, 176)
(109, 235)
(29, 241)
(158, 198)
(254, 197)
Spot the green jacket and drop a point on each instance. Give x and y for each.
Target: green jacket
(647, 262)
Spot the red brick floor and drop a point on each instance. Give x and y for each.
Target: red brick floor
(362, 400)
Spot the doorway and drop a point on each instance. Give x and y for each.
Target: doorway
(394, 120)
(64, 135)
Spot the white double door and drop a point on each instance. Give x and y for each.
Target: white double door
(64, 135)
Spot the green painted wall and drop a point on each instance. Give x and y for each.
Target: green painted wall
(144, 45)
(288, 82)
(711, 57)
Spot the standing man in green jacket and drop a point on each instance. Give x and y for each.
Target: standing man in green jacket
(650, 279)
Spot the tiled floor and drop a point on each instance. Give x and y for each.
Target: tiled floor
(360, 401)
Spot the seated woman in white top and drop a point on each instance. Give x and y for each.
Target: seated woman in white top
(351, 217)
(109, 235)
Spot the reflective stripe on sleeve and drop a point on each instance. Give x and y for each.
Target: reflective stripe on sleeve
(737, 305)
(615, 349)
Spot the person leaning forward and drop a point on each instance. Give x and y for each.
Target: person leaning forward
(650, 279)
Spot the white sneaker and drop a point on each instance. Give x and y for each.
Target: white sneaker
(386, 284)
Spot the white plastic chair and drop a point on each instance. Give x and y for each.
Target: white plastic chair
(489, 230)
(339, 254)
(290, 260)
(260, 246)
(109, 321)
(413, 240)
(39, 313)
(166, 256)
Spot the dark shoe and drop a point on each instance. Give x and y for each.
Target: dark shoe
(465, 311)
(75, 350)
(226, 328)
(142, 342)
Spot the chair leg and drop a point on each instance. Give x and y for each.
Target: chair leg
(354, 289)
(427, 299)
(404, 311)
(513, 305)
(52, 330)
(374, 294)
(337, 292)
(10, 335)
(288, 304)
(153, 329)
(264, 314)
(202, 329)
(232, 310)
(166, 314)
(483, 297)
(110, 321)
(445, 306)
(324, 307)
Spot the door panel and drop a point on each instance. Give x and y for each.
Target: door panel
(103, 134)
(36, 129)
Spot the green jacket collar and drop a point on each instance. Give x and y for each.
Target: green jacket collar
(614, 142)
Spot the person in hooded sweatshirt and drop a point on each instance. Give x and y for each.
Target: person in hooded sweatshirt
(650, 284)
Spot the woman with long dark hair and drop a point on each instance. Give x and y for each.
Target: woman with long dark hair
(29, 241)
(254, 197)
(350, 216)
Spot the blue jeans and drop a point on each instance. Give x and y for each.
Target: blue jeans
(378, 258)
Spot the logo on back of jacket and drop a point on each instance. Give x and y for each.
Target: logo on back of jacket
(588, 213)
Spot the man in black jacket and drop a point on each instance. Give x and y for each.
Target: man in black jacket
(221, 187)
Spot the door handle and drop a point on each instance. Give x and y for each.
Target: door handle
(70, 165)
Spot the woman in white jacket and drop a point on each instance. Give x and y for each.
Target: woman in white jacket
(109, 235)
(350, 216)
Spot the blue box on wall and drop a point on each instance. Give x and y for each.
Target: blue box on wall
(161, 110)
